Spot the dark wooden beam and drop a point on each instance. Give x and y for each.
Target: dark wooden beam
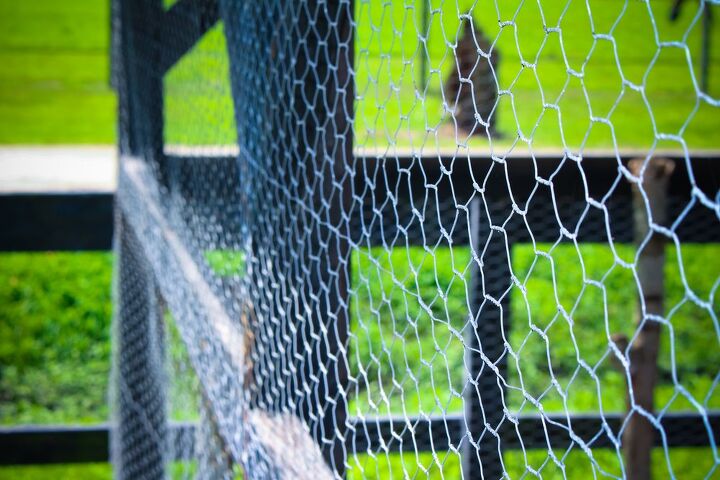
(52, 444)
(391, 186)
(532, 432)
(48, 444)
(295, 141)
(27, 445)
(56, 221)
(83, 221)
(431, 184)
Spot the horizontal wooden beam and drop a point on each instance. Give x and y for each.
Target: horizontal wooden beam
(389, 188)
(52, 444)
(56, 221)
(82, 444)
(530, 431)
(389, 193)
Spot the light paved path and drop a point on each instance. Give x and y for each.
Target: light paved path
(30, 168)
(57, 168)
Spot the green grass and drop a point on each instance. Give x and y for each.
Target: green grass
(393, 109)
(687, 462)
(54, 337)
(96, 471)
(54, 80)
(54, 84)
(55, 311)
(691, 463)
(410, 306)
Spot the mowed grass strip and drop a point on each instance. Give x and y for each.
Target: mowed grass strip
(555, 74)
(563, 87)
(54, 85)
(54, 80)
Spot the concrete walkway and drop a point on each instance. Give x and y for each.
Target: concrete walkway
(26, 169)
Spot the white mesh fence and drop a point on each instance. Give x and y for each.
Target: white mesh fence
(417, 239)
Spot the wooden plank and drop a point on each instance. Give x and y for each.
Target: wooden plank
(83, 221)
(216, 343)
(49, 444)
(56, 221)
(295, 150)
(52, 444)
(140, 388)
(530, 432)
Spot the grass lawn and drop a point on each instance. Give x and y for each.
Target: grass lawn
(54, 80)
(691, 463)
(408, 304)
(54, 337)
(393, 107)
(641, 90)
(96, 471)
(54, 85)
(50, 375)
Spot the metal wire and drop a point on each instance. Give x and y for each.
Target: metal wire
(340, 265)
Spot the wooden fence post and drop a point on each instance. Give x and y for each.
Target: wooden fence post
(293, 91)
(141, 443)
(484, 405)
(137, 57)
(639, 434)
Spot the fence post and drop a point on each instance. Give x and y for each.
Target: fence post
(484, 405)
(291, 77)
(141, 443)
(639, 435)
(424, 47)
(136, 59)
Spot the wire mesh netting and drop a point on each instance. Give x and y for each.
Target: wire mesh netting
(417, 239)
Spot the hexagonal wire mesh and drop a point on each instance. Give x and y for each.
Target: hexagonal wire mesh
(416, 239)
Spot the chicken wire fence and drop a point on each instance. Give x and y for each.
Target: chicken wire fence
(416, 239)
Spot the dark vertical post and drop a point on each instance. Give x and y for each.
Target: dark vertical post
(140, 445)
(705, 55)
(328, 130)
(639, 435)
(136, 62)
(322, 101)
(491, 312)
(424, 52)
(293, 90)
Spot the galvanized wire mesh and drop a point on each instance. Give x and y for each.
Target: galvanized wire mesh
(417, 239)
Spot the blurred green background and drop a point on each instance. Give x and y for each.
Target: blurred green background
(55, 307)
